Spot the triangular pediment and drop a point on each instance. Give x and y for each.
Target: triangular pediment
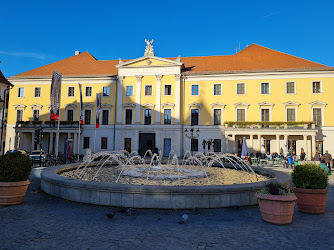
(318, 103)
(291, 103)
(149, 61)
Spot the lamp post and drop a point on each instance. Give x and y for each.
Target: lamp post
(3, 115)
(192, 136)
(209, 142)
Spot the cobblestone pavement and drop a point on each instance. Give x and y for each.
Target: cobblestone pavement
(45, 222)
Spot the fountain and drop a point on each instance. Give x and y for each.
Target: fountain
(119, 178)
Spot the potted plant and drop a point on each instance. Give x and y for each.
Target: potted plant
(310, 183)
(14, 173)
(276, 203)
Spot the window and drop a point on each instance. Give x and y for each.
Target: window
(240, 115)
(36, 114)
(290, 88)
(127, 144)
(129, 90)
(37, 92)
(168, 89)
(128, 116)
(265, 88)
(316, 87)
(20, 92)
(70, 91)
(265, 115)
(217, 89)
(70, 115)
(86, 142)
(88, 91)
(88, 113)
(194, 144)
(240, 88)
(104, 142)
(167, 116)
(194, 116)
(291, 115)
(106, 91)
(105, 117)
(217, 116)
(317, 117)
(217, 145)
(319, 147)
(19, 115)
(148, 116)
(194, 89)
(148, 90)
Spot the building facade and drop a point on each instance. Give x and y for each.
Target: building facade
(278, 102)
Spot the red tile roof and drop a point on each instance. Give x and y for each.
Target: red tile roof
(251, 59)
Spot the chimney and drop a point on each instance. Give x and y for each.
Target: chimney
(77, 52)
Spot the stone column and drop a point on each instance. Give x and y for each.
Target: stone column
(277, 144)
(75, 144)
(313, 145)
(138, 98)
(119, 99)
(158, 99)
(32, 141)
(51, 143)
(251, 143)
(177, 99)
(308, 156)
(233, 144)
(259, 143)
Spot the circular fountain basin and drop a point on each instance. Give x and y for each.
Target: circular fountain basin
(154, 196)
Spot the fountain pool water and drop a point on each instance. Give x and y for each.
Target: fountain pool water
(118, 178)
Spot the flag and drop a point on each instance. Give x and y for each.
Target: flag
(81, 110)
(55, 95)
(98, 109)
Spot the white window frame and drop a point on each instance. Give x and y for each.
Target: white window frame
(191, 89)
(286, 88)
(91, 116)
(213, 116)
(321, 92)
(296, 113)
(39, 114)
(261, 108)
(103, 91)
(68, 92)
(16, 114)
(132, 120)
(236, 113)
(91, 93)
(221, 89)
(101, 142)
(236, 90)
(126, 90)
(144, 115)
(40, 92)
(269, 88)
(18, 92)
(171, 89)
(199, 115)
(101, 114)
(145, 89)
(322, 114)
(73, 113)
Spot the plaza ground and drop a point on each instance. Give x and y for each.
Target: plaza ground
(46, 222)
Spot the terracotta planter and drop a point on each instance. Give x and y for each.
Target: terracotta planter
(12, 193)
(276, 209)
(312, 201)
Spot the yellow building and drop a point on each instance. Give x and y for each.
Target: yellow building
(278, 102)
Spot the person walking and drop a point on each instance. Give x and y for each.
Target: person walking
(317, 157)
(302, 155)
(327, 158)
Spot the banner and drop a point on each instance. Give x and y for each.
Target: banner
(55, 95)
(98, 109)
(81, 110)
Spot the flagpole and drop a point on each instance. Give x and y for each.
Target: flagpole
(79, 140)
(57, 137)
(94, 138)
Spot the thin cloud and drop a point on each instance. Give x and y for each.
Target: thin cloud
(272, 14)
(40, 56)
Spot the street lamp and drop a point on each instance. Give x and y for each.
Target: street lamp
(191, 136)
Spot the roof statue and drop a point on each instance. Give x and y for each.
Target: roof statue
(149, 48)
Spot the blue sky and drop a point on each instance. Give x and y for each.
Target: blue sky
(35, 33)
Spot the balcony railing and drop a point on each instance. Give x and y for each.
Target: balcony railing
(271, 125)
(47, 124)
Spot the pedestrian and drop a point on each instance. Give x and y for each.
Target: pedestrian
(317, 157)
(327, 158)
(302, 155)
(290, 160)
